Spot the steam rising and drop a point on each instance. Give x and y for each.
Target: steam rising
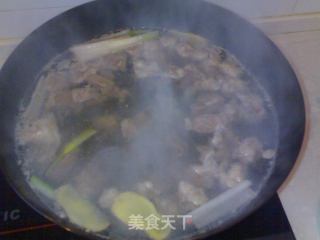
(151, 149)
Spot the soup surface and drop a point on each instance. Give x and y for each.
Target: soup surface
(146, 133)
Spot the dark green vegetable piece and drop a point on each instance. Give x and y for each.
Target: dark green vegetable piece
(74, 144)
(41, 186)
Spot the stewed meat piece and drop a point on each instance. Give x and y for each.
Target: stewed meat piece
(191, 195)
(175, 72)
(91, 181)
(233, 85)
(253, 107)
(231, 68)
(148, 189)
(148, 61)
(208, 103)
(107, 123)
(190, 49)
(128, 129)
(101, 81)
(269, 154)
(168, 41)
(193, 73)
(206, 174)
(208, 84)
(116, 62)
(167, 205)
(107, 197)
(145, 69)
(205, 123)
(80, 95)
(229, 112)
(232, 177)
(44, 134)
(184, 49)
(57, 81)
(249, 150)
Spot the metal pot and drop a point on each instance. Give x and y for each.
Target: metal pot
(255, 51)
